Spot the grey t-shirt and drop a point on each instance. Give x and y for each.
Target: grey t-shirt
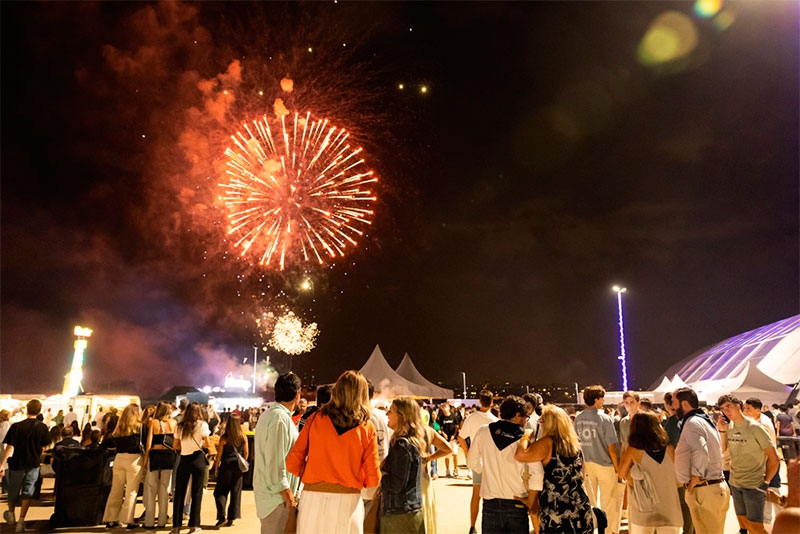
(596, 432)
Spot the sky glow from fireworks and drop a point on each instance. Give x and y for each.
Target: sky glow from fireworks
(295, 191)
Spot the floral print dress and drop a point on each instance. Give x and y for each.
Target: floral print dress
(563, 503)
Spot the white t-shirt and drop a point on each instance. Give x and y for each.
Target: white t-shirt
(194, 442)
(474, 421)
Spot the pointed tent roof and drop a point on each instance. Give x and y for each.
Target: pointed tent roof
(752, 382)
(664, 386)
(386, 380)
(409, 371)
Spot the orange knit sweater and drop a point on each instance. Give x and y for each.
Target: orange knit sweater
(350, 460)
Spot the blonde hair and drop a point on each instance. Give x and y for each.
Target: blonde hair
(409, 424)
(128, 422)
(555, 423)
(349, 404)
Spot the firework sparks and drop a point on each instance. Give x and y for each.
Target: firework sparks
(295, 191)
(291, 336)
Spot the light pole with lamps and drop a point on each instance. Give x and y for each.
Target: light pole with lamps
(255, 361)
(622, 357)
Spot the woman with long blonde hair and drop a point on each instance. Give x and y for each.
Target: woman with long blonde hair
(336, 454)
(128, 469)
(401, 495)
(563, 503)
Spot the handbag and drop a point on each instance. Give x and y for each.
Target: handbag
(244, 465)
(202, 451)
(372, 517)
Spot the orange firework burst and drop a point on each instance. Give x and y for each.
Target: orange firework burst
(295, 192)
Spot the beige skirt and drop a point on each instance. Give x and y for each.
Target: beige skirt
(330, 513)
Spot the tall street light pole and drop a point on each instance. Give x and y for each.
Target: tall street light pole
(255, 361)
(622, 356)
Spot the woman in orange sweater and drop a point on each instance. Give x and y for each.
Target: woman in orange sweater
(336, 456)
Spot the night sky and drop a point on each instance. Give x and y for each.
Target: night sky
(557, 149)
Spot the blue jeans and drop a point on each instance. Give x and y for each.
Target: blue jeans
(504, 515)
(749, 502)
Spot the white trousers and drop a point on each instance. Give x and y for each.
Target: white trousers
(157, 488)
(124, 487)
(330, 513)
(605, 492)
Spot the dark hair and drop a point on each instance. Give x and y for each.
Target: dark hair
(66, 432)
(371, 388)
(34, 406)
(512, 406)
(646, 404)
(592, 393)
(689, 395)
(647, 433)
(667, 398)
(486, 397)
(754, 402)
(191, 417)
(323, 394)
(233, 431)
(631, 394)
(286, 387)
(729, 398)
(531, 399)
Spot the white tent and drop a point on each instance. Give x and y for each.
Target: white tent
(409, 371)
(388, 383)
(752, 382)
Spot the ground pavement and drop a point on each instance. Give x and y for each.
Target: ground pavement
(452, 506)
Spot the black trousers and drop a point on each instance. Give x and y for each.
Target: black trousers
(191, 466)
(229, 480)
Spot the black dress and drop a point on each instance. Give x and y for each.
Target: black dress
(563, 503)
(229, 480)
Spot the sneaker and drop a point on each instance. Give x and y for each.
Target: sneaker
(229, 524)
(472, 530)
(195, 530)
(220, 522)
(20, 526)
(8, 515)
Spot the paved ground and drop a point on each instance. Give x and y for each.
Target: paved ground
(452, 500)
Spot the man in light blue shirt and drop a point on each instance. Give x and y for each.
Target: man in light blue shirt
(273, 487)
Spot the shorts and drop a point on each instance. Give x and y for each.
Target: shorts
(22, 484)
(476, 478)
(749, 502)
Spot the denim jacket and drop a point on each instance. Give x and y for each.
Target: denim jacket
(400, 484)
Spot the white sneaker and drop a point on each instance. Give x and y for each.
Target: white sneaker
(8, 515)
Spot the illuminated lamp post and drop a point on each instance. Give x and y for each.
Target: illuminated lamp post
(255, 361)
(622, 356)
(72, 380)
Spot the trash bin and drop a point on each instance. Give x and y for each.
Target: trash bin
(790, 446)
(83, 482)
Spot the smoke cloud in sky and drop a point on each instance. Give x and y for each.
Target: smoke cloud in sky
(498, 233)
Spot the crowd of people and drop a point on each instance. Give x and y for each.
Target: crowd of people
(345, 465)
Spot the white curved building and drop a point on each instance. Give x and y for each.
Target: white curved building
(763, 363)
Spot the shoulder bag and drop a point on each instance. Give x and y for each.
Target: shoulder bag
(244, 465)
